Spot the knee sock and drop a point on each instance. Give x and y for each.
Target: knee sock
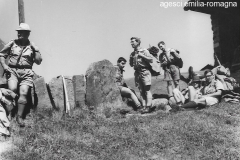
(21, 106)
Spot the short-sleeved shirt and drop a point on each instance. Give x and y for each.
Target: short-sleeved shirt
(171, 71)
(137, 61)
(166, 56)
(119, 76)
(13, 49)
(213, 87)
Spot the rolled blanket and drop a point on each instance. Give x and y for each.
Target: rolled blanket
(230, 96)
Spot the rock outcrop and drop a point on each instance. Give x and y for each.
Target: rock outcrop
(160, 104)
(57, 92)
(100, 83)
(101, 90)
(41, 98)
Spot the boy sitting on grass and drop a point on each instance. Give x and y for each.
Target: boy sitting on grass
(7, 102)
(193, 91)
(125, 91)
(211, 92)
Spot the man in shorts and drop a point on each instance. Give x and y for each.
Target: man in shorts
(125, 91)
(171, 71)
(140, 59)
(22, 54)
(7, 103)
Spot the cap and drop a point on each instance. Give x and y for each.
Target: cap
(196, 79)
(23, 27)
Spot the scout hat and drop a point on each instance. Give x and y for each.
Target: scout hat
(196, 79)
(23, 27)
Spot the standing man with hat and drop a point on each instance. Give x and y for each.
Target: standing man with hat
(22, 54)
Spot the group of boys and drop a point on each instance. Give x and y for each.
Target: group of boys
(195, 95)
(17, 58)
(140, 60)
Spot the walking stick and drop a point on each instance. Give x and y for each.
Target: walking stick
(217, 59)
(66, 95)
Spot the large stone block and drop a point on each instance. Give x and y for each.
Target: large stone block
(79, 88)
(100, 85)
(57, 92)
(41, 98)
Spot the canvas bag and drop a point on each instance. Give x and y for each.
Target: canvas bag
(177, 59)
(155, 66)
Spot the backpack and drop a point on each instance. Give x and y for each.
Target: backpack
(177, 59)
(155, 66)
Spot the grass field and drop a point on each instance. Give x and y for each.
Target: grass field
(210, 133)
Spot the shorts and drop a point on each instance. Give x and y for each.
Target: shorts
(172, 73)
(142, 77)
(22, 76)
(211, 101)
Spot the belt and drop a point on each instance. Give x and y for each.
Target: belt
(21, 67)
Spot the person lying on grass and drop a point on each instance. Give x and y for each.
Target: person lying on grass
(211, 93)
(7, 103)
(182, 97)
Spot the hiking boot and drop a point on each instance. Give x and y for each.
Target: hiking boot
(176, 108)
(145, 110)
(20, 121)
(124, 111)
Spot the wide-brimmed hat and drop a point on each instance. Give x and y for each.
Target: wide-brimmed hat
(23, 27)
(196, 79)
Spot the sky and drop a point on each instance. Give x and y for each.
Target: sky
(72, 34)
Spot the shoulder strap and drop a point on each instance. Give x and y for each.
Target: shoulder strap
(18, 60)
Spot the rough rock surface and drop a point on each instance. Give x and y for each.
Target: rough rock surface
(79, 87)
(57, 92)
(160, 103)
(101, 88)
(41, 99)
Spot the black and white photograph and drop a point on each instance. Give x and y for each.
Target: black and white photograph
(119, 80)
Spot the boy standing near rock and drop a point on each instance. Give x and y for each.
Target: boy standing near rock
(140, 59)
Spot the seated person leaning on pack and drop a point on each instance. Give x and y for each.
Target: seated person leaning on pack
(125, 91)
(211, 92)
(184, 96)
(224, 75)
(7, 102)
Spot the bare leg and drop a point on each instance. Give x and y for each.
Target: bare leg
(176, 84)
(201, 101)
(142, 94)
(128, 93)
(192, 93)
(22, 103)
(178, 96)
(12, 85)
(170, 88)
(148, 95)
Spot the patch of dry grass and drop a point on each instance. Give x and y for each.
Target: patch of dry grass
(210, 133)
